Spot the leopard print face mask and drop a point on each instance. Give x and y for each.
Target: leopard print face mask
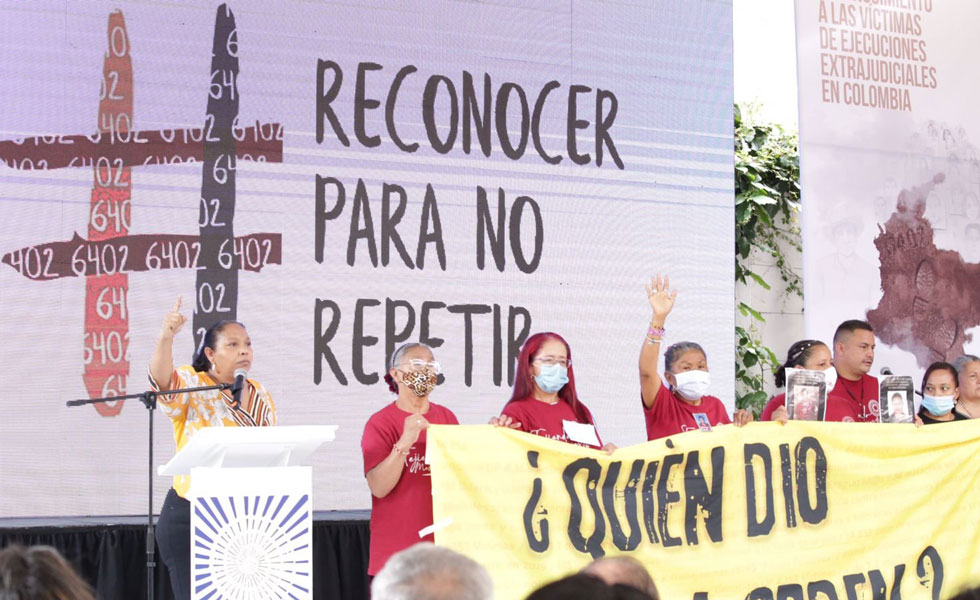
(421, 382)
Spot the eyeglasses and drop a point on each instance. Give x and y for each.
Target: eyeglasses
(551, 361)
(417, 364)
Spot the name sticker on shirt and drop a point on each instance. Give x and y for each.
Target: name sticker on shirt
(704, 424)
(583, 433)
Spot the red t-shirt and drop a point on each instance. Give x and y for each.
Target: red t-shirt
(541, 418)
(671, 415)
(838, 409)
(862, 394)
(397, 518)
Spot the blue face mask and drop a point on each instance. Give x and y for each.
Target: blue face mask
(938, 405)
(552, 378)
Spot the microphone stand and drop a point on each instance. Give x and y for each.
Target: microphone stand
(149, 400)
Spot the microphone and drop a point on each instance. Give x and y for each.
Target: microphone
(236, 388)
(886, 371)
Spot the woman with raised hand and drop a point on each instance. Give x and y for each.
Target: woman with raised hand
(226, 348)
(678, 408)
(393, 446)
(544, 401)
(812, 355)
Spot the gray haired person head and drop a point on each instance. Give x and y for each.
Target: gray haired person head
(429, 572)
(968, 369)
(624, 570)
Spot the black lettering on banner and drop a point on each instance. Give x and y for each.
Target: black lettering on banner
(593, 470)
(429, 117)
(762, 593)
(321, 215)
(515, 338)
(360, 341)
(574, 123)
(472, 113)
(666, 497)
(824, 588)
(935, 573)
(484, 228)
(389, 224)
(699, 498)
(792, 591)
(877, 584)
(322, 337)
(602, 125)
(468, 310)
(756, 526)
(536, 123)
(394, 338)
(424, 336)
(390, 109)
(362, 104)
(503, 98)
(361, 212)
(535, 543)
(897, 582)
(515, 234)
(430, 216)
(646, 497)
(809, 513)
(498, 344)
(324, 98)
(620, 540)
(786, 469)
(851, 584)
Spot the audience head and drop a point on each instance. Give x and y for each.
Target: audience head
(970, 594)
(412, 368)
(624, 570)
(808, 354)
(39, 573)
(582, 586)
(686, 370)
(940, 388)
(854, 349)
(429, 572)
(968, 371)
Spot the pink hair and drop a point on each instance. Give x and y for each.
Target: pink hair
(524, 377)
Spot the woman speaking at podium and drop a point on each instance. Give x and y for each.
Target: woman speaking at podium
(226, 348)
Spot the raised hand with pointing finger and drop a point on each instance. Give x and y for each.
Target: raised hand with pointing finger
(174, 321)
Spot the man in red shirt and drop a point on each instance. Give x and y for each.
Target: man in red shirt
(854, 353)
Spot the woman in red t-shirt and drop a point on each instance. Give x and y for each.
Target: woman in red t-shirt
(812, 355)
(544, 401)
(393, 445)
(685, 405)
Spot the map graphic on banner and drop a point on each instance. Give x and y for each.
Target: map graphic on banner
(891, 176)
(766, 511)
(343, 179)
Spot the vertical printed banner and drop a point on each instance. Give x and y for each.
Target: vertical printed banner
(890, 174)
(343, 179)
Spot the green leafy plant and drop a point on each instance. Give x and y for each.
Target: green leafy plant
(767, 203)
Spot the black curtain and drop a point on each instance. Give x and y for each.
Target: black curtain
(112, 558)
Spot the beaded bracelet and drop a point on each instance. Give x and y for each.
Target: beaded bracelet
(399, 450)
(655, 334)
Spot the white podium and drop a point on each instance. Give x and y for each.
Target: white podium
(251, 510)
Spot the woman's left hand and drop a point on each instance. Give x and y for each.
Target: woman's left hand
(610, 448)
(742, 417)
(780, 415)
(505, 421)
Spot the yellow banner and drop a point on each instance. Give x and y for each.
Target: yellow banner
(820, 511)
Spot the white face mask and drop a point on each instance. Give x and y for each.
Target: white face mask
(830, 376)
(692, 384)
